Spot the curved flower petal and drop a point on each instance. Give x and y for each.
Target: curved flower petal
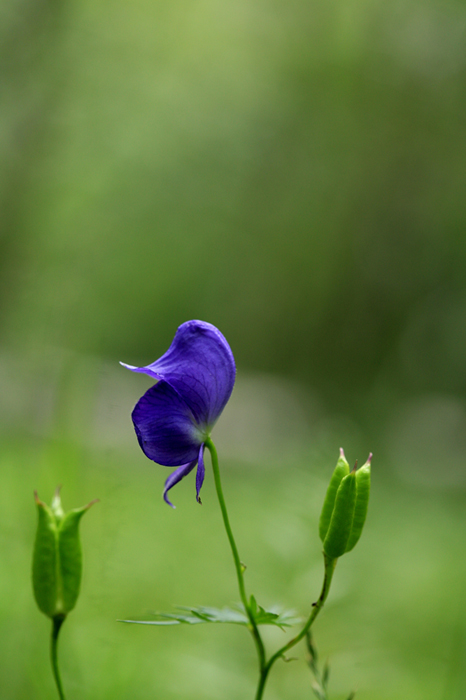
(200, 473)
(200, 366)
(165, 428)
(175, 477)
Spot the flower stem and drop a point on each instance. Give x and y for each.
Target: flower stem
(316, 608)
(238, 566)
(329, 564)
(56, 626)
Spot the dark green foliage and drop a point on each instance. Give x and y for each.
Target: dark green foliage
(324, 183)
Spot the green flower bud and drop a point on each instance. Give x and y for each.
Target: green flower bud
(341, 521)
(57, 560)
(341, 470)
(363, 487)
(345, 508)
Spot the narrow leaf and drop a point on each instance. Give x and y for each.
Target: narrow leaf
(318, 691)
(237, 615)
(325, 675)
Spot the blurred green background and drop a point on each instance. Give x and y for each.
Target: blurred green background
(293, 172)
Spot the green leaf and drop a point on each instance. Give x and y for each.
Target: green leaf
(313, 655)
(280, 618)
(253, 606)
(236, 615)
(325, 675)
(318, 691)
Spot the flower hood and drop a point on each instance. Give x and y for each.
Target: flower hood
(195, 378)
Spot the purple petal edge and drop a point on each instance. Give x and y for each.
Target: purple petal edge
(141, 370)
(175, 477)
(200, 366)
(164, 427)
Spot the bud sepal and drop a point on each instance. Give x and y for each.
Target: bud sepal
(363, 487)
(341, 470)
(339, 529)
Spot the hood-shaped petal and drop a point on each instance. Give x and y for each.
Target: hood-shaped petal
(200, 366)
(165, 428)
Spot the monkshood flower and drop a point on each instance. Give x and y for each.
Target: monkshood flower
(173, 419)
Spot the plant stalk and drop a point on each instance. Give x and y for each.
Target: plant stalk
(238, 566)
(316, 608)
(329, 564)
(57, 622)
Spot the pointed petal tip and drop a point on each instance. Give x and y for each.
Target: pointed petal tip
(123, 364)
(175, 477)
(199, 365)
(168, 502)
(342, 453)
(369, 459)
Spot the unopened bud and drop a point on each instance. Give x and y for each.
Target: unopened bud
(345, 508)
(57, 559)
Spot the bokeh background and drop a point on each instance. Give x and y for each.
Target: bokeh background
(293, 172)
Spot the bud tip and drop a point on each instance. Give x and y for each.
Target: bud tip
(342, 453)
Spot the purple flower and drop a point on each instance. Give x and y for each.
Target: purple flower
(174, 417)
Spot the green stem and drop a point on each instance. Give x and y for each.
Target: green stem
(238, 566)
(316, 608)
(56, 626)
